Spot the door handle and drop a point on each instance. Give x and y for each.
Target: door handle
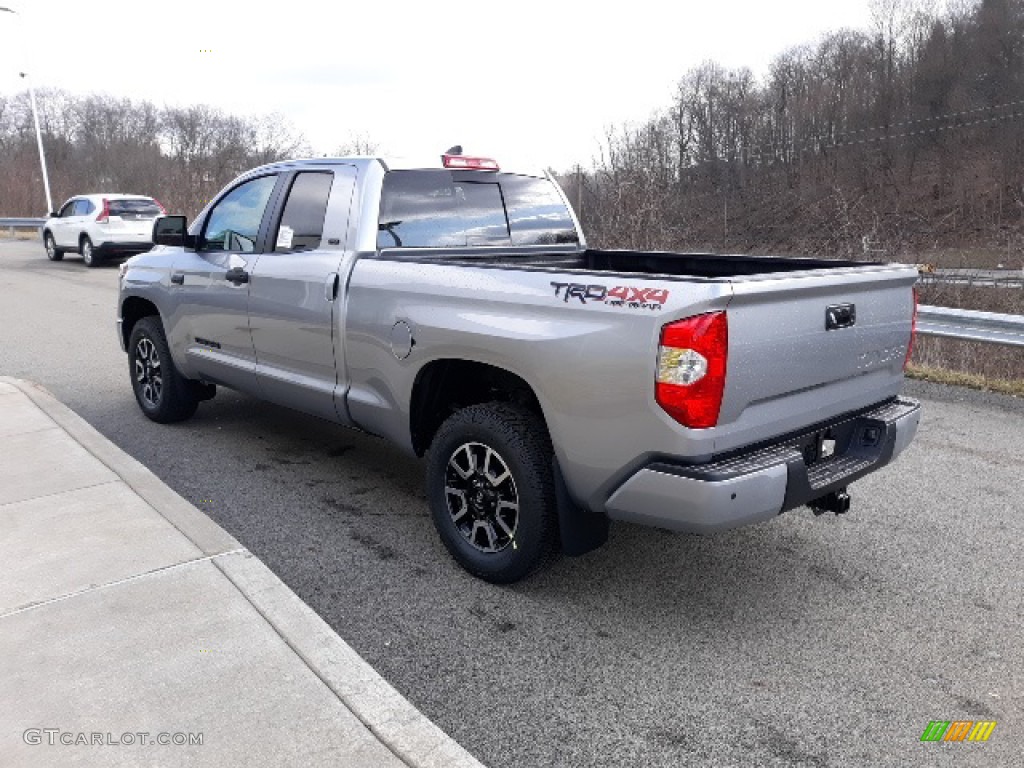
(236, 275)
(178, 279)
(331, 287)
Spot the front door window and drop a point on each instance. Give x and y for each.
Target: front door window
(234, 223)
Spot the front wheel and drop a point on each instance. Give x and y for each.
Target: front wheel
(53, 253)
(163, 394)
(491, 491)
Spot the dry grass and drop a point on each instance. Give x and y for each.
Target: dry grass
(972, 381)
(6, 233)
(983, 298)
(971, 364)
(994, 362)
(992, 367)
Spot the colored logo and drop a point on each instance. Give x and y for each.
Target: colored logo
(958, 730)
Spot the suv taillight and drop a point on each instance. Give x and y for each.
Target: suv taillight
(913, 332)
(105, 213)
(160, 206)
(691, 369)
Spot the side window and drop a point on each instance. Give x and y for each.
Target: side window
(434, 209)
(536, 213)
(234, 222)
(68, 209)
(302, 223)
(81, 208)
(483, 215)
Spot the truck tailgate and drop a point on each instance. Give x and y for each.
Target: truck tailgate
(805, 347)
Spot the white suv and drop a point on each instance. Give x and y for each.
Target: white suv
(99, 225)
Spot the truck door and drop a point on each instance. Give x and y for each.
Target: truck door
(295, 295)
(211, 286)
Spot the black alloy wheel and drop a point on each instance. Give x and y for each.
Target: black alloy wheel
(482, 499)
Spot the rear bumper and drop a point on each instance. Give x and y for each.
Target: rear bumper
(127, 247)
(760, 483)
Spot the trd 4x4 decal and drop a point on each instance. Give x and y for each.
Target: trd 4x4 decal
(619, 296)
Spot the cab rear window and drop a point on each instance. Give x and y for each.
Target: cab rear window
(445, 209)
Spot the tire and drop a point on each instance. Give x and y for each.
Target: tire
(89, 255)
(499, 531)
(53, 253)
(163, 394)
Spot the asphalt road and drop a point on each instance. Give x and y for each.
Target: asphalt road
(805, 641)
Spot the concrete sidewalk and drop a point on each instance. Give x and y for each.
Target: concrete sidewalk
(128, 618)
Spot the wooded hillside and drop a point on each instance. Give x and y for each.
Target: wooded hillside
(180, 155)
(907, 139)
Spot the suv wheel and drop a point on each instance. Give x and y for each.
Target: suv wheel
(491, 492)
(163, 394)
(88, 252)
(53, 253)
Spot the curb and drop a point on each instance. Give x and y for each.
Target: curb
(388, 715)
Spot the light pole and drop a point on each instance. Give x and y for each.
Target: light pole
(39, 134)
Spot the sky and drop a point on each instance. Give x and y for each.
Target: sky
(526, 82)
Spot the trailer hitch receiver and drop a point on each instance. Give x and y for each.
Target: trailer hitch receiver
(837, 501)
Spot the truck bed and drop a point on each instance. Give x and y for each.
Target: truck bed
(706, 265)
(661, 263)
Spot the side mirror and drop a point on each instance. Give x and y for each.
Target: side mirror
(52, 215)
(170, 230)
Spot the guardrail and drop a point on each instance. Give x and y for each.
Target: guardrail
(969, 325)
(20, 223)
(975, 278)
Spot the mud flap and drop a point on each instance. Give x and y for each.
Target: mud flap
(581, 531)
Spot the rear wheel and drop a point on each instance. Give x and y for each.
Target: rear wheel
(491, 492)
(89, 255)
(53, 253)
(163, 394)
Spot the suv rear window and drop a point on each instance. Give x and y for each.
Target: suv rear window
(442, 209)
(140, 208)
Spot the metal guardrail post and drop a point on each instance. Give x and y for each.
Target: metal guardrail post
(969, 325)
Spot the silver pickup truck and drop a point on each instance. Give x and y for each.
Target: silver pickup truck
(453, 308)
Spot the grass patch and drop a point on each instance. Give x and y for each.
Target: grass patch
(970, 380)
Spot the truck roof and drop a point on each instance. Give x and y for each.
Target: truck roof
(390, 162)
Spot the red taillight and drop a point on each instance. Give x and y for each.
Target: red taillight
(105, 213)
(691, 369)
(913, 332)
(472, 163)
(160, 206)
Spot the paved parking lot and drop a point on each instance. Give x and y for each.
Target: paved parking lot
(807, 641)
